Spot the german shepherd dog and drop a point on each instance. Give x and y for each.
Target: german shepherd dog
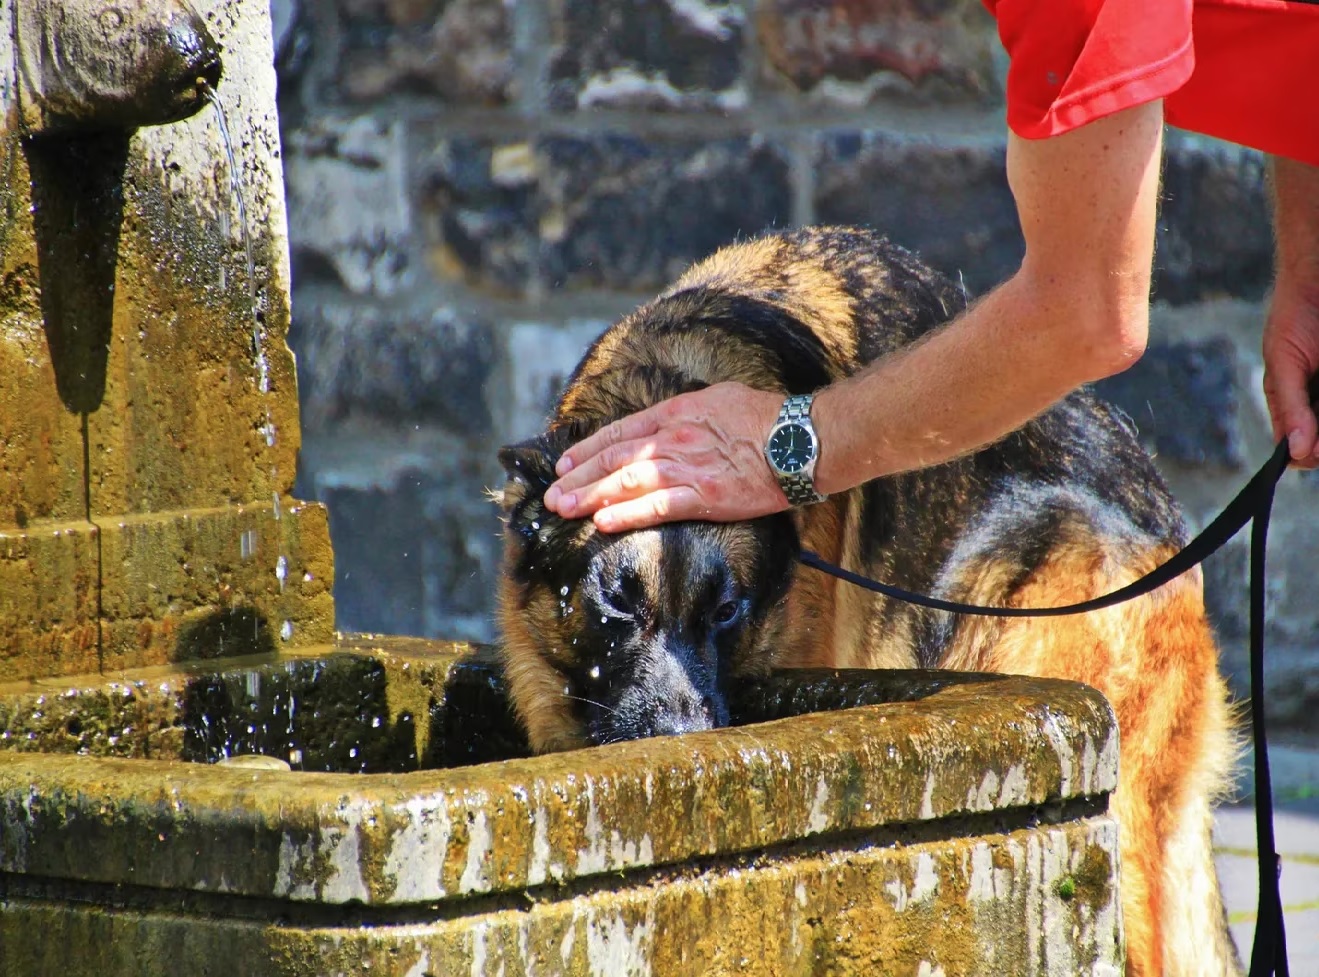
(1064, 509)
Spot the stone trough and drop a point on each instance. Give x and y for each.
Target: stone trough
(165, 603)
(941, 824)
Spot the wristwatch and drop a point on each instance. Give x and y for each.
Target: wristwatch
(792, 450)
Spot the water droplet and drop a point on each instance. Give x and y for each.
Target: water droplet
(563, 591)
(595, 671)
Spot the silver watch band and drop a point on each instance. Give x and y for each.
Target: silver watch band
(799, 487)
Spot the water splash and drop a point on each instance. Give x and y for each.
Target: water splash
(254, 300)
(259, 333)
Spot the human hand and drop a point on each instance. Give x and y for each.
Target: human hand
(699, 455)
(1291, 365)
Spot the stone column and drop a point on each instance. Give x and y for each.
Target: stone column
(149, 415)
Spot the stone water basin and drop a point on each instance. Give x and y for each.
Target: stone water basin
(928, 823)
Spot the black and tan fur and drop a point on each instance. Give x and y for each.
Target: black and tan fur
(617, 637)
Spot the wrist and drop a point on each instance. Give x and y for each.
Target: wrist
(847, 454)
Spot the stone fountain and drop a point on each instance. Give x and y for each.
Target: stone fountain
(165, 603)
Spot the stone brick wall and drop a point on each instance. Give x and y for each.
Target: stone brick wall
(477, 187)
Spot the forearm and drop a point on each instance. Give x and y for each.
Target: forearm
(1077, 310)
(1008, 358)
(1295, 188)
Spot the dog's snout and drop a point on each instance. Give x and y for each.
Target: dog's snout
(685, 713)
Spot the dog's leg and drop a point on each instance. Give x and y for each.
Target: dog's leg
(1156, 661)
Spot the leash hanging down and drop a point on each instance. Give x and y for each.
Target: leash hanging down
(1254, 504)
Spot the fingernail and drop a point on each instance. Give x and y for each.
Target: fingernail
(567, 504)
(563, 466)
(552, 498)
(1296, 444)
(604, 519)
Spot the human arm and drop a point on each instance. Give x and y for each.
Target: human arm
(1076, 310)
(1291, 330)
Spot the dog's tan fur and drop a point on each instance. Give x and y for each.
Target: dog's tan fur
(954, 530)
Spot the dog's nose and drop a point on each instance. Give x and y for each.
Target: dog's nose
(684, 712)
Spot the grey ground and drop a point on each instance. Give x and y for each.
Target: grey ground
(1295, 769)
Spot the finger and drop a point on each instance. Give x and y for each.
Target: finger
(643, 424)
(665, 505)
(580, 492)
(632, 481)
(1286, 389)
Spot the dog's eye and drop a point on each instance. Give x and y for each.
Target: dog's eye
(625, 597)
(726, 614)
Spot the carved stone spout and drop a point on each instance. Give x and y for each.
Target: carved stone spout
(86, 65)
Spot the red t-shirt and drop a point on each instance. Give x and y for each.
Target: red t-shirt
(1242, 70)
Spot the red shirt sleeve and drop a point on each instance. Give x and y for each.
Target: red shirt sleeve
(1074, 61)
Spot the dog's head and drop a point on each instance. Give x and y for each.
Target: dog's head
(615, 637)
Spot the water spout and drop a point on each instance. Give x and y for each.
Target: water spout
(89, 65)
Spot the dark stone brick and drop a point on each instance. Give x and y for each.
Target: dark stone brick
(1215, 237)
(944, 47)
(414, 559)
(459, 50)
(646, 54)
(609, 211)
(358, 359)
(1183, 398)
(633, 214)
(949, 203)
(484, 225)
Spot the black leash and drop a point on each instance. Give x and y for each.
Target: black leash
(1253, 503)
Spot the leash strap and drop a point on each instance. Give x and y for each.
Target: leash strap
(1254, 502)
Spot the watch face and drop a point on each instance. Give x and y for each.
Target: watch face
(791, 448)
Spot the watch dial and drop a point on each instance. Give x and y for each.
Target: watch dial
(791, 447)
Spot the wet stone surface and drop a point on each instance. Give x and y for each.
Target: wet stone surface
(926, 820)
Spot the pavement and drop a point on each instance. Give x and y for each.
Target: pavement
(1295, 770)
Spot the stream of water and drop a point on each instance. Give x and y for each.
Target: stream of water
(259, 333)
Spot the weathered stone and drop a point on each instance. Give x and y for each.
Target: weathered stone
(622, 213)
(49, 583)
(417, 559)
(1214, 236)
(652, 54)
(416, 537)
(540, 360)
(608, 211)
(943, 48)
(958, 752)
(399, 365)
(949, 202)
(348, 203)
(954, 907)
(844, 841)
(202, 584)
(459, 50)
(1184, 401)
(162, 389)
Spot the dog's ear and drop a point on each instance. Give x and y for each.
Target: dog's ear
(530, 464)
(530, 467)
